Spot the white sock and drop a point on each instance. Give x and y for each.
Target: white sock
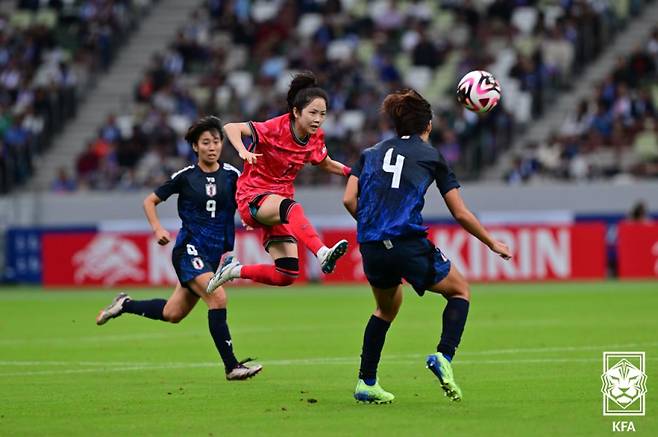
(321, 252)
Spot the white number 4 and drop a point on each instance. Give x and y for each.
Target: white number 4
(396, 168)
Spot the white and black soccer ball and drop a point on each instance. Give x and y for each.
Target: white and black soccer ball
(479, 91)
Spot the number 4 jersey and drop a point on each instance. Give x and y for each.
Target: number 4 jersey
(394, 176)
(206, 207)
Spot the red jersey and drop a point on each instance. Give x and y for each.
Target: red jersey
(284, 155)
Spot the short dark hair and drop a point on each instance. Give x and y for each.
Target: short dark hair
(207, 123)
(408, 110)
(303, 89)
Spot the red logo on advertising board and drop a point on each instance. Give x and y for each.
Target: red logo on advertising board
(94, 259)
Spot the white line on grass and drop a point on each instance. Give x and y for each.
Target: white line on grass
(352, 361)
(163, 336)
(464, 353)
(557, 349)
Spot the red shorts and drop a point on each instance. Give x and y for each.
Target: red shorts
(269, 234)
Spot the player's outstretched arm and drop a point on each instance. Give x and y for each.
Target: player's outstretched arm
(161, 234)
(469, 222)
(334, 167)
(351, 195)
(234, 132)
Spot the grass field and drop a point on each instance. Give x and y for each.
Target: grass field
(529, 364)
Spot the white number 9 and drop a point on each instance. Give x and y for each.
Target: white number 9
(211, 207)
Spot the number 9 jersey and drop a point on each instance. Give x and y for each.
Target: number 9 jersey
(394, 176)
(206, 207)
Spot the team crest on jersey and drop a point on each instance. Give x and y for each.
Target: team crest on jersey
(211, 188)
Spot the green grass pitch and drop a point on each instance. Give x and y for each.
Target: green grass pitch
(529, 364)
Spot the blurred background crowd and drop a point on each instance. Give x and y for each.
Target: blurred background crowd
(234, 58)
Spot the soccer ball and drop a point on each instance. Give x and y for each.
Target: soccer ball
(478, 91)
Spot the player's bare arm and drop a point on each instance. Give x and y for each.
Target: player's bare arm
(331, 166)
(234, 132)
(351, 195)
(468, 221)
(162, 235)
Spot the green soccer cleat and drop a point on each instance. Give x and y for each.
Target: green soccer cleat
(440, 366)
(372, 394)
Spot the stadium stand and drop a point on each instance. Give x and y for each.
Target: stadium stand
(235, 59)
(613, 133)
(50, 55)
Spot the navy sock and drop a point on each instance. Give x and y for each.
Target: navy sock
(146, 308)
(454, 320)
(373, 343)
(222, 337)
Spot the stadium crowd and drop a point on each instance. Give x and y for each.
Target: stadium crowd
(50, 54)
(234, 59)
(614, 133)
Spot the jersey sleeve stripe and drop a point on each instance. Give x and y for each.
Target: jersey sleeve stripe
(189, 167)
(231, 168)
(254, 136)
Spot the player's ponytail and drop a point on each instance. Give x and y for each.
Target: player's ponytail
(409, 112)
(303, 89)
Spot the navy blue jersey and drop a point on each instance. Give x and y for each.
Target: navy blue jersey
(206, 206)
(394, 176)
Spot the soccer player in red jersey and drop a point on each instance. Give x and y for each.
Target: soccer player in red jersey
(280, 147)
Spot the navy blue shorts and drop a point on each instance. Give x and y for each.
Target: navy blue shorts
(414, 259)
(190, 261)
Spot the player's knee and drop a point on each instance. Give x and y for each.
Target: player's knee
(217, 299)
(387, 314)
(285, 207)
(173, 316)
(287, 270)
(462, 290)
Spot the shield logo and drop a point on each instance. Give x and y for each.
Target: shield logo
(624, 384)
(211, 190)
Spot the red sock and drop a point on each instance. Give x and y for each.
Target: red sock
(266, 274)
(302, 229)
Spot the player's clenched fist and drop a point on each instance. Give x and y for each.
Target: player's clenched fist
(163, 236)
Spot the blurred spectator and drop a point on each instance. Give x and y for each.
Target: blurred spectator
(110, 131)
(87, 165)
(63, 183)
(645, 145)
(450, 148)
(426, 53)
(638, 213)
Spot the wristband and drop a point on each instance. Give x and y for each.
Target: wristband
(347, 171)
